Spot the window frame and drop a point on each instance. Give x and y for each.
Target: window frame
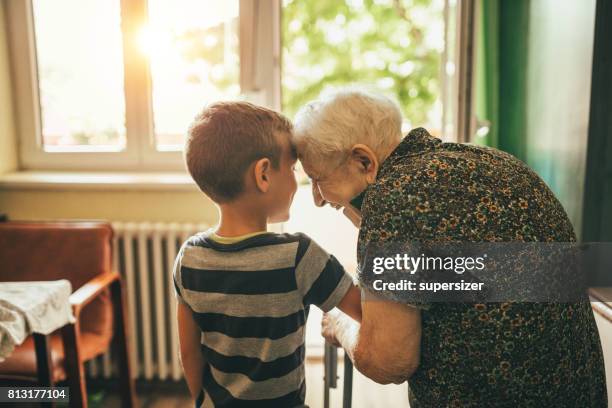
(260, 81)
(258, 20)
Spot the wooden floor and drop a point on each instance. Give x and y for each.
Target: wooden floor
(366, 394)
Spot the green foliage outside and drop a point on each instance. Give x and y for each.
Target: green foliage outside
(392, 46)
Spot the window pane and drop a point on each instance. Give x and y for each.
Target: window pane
(80, 72)
(393, 46)
(193, 50)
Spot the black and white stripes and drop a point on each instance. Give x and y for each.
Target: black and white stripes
(251, 301)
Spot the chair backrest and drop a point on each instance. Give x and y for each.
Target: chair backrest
(77, 251)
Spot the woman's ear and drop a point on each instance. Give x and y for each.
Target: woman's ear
(262, 174)
(366, 160)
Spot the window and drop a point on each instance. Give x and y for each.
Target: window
(81, 102)
(113, 84)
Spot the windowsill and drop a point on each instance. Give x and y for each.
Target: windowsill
(47, 180)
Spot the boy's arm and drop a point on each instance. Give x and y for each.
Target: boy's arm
(323, 281)
(351, 303)
(191, 352)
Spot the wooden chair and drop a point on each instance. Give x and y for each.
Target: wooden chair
(81, 253)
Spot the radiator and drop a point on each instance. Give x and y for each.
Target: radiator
(144, 254)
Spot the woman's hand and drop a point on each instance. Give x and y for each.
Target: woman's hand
(328, 327)
(353, 215)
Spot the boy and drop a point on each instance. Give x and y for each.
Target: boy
(244, 293)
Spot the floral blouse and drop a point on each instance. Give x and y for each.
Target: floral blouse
(489, 354)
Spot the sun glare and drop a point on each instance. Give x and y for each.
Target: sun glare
(153, 43)
(192, 47)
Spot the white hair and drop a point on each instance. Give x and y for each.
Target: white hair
(326, 129)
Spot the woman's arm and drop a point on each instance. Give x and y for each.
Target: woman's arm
(386, 346)
(191, 351)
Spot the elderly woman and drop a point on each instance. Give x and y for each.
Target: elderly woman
(418, 188)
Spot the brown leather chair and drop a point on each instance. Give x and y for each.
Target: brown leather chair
(81, 253)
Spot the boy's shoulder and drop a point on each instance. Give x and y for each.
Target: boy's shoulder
(269, 244)
(205, 239)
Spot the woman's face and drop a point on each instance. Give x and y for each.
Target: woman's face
(340, 185)
(336, 188)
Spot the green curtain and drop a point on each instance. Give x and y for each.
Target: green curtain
(501, 73)
(487, 70)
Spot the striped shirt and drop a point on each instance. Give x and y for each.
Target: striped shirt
(251, 300)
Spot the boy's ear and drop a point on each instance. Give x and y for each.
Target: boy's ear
(262, 174)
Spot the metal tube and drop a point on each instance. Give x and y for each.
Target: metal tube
(347, 392)
(330, 370)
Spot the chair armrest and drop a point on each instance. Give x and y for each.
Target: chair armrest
(90, 290)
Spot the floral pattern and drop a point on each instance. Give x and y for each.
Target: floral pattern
(493, 354)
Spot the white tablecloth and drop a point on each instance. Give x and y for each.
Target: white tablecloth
(32, 307)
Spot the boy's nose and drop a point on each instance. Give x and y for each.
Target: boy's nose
(316, 196)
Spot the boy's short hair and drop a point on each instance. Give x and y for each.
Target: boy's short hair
(224, 139)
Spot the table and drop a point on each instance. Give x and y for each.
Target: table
(37, 308)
